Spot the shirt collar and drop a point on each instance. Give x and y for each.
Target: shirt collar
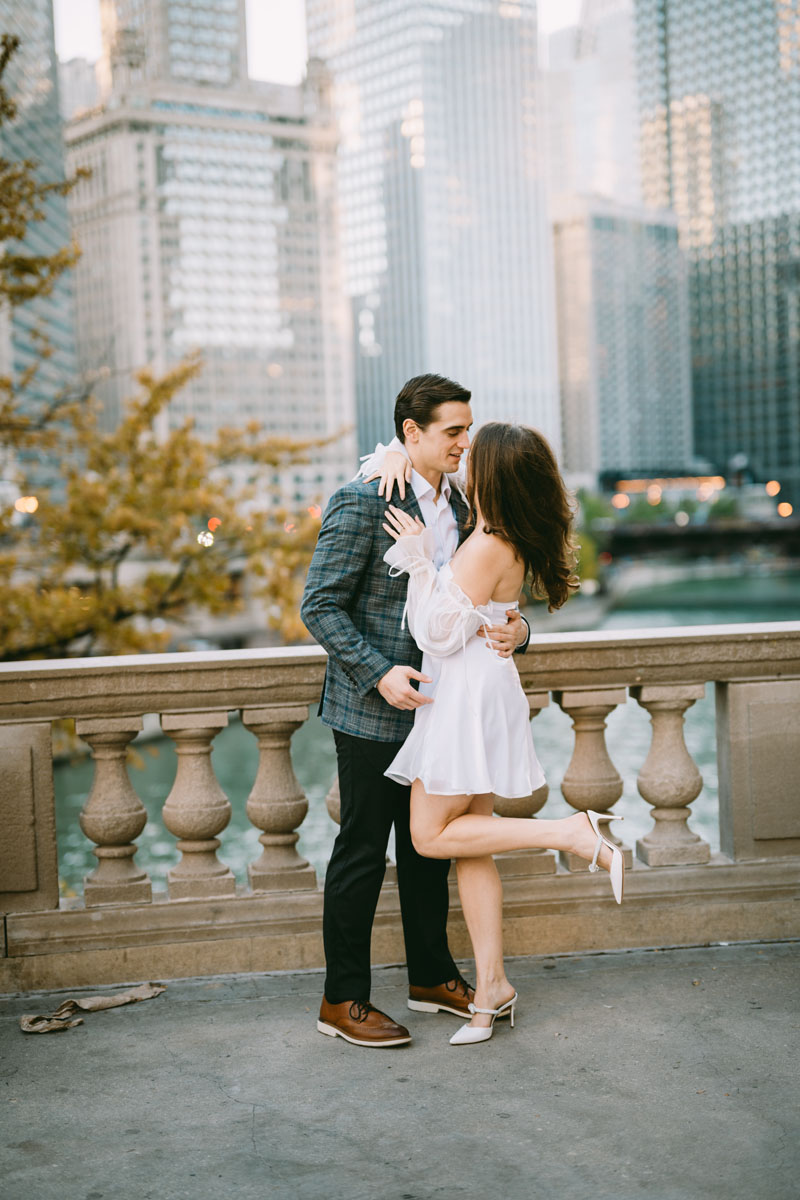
(425, 490)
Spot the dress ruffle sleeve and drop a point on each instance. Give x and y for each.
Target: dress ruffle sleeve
(441, 617)
(372, 463)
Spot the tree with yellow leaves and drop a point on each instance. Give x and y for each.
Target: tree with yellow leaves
(139, 528)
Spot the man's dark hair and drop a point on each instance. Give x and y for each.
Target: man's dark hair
(419, 399)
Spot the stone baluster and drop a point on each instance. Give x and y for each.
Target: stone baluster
(197, 809)
(526, 862)
(276, 803)
(113, 815)
(333, 803)
(669, 778)
(591, 780)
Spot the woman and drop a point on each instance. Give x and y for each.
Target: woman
(474, 741)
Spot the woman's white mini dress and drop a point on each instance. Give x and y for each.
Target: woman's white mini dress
(475, 737)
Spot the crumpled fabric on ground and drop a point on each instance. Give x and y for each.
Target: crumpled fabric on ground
(64, 1016)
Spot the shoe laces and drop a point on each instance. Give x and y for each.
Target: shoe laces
(360, 1010)
(458, 984)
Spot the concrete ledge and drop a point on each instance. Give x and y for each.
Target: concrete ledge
(75, 947)
(233, 679)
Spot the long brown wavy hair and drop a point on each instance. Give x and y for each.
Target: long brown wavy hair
(513, 473)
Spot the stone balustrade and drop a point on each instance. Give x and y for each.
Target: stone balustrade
(678, 892)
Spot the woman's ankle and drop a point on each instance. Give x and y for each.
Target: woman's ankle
(491, 993)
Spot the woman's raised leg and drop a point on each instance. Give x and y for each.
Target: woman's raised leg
(441, 829)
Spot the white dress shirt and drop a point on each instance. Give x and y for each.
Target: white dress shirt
(438, 516)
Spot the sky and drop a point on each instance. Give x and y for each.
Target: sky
(276, 33)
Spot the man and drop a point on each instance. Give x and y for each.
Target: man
(354, 609)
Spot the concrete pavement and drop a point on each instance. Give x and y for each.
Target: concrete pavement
(668, 1074)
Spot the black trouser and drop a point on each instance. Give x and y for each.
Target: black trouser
(371, 803)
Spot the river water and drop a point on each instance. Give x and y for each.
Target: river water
(235, 751)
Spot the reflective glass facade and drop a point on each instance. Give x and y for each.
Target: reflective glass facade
(210, 223)
(720, 122)
(36, 134)
(448, 253)
(622, 320)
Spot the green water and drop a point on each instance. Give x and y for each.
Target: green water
(235, 752)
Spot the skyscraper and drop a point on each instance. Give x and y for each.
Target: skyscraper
(720, 124)
(622, 324)
(592, 120)
(448, 255)
(35, 134)
(77, 85)
(622, 294)
(210, 222)
(183, 41)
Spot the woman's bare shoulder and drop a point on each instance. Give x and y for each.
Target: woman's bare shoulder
(481, 564)
(490, 547)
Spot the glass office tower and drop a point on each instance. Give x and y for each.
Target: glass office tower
(447, 249)
(719, 90)
(623, 331)
(35, 134)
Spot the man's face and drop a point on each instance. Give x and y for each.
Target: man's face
(441, 445)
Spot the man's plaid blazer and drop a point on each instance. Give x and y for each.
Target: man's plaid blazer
(354, 609)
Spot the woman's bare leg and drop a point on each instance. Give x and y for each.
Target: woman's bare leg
(441, 828)
(481, 895)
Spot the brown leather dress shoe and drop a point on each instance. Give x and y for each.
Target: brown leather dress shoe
(454, 997)
(358, 1022)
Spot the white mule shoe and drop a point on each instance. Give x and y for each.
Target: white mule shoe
(617, 869)
(467, 1035)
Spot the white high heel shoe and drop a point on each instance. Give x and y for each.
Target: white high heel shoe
(467, 1035)
(617, 868)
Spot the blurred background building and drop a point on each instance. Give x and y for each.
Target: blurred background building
(412, 205)
(35, 134)
(442, 185)
(623, 319)
(622, 291)
(210, 222)
(78, 85)
(719, 87)
(592, 112)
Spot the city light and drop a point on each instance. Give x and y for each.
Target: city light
(620, 500)
(214, 523)
(26, 504)
(205, 538)
(681, 483)
(773, 487)
(785, 509)
(654, 494)
(681, 519)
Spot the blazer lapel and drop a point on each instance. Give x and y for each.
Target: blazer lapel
(410, 505)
